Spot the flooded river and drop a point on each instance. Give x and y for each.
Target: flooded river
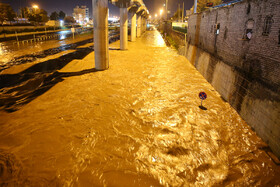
(136, 124)
(13, 54)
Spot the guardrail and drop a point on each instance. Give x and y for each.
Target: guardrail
(38, 39)
(30, 33)
(43, 38)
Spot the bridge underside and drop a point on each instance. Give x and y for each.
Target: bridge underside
(100, 18)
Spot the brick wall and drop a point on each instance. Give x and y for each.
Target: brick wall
(244, 69)
(260, 55)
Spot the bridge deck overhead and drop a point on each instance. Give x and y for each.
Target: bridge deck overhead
(100, 19)
(127, 3)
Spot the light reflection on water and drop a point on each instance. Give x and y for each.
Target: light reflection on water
(64, 34)
(62, 37)
(2, 49)
(9, 52)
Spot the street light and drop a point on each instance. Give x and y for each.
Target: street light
(35, 6)
(155, 15)
(166, 9)
(161, 11)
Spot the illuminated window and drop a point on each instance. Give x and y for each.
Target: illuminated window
(217, 29)
(249, 29)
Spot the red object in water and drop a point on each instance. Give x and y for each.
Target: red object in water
(209, 4)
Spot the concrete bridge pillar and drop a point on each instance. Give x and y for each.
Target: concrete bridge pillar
(101, 42)
(133, 27)
(123, 28)
(146, 24)
(143, 25)
(139, 25)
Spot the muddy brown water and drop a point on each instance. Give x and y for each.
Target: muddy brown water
(13, 54)
(136, 124)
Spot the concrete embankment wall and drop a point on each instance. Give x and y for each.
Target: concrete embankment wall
(237, 49)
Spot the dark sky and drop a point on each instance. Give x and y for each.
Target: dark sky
(68, 5)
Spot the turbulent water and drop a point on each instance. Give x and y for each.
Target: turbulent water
(136, 124)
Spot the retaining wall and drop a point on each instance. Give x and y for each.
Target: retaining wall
(244, 68)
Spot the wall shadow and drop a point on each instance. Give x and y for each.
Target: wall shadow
(8, 80)
(13, 99)
(17, 90)
(43, 54)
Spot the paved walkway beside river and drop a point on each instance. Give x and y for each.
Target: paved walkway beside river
(136, 124)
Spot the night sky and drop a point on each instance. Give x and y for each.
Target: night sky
(68, 5)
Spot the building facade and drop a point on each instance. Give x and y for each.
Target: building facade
(81, 14)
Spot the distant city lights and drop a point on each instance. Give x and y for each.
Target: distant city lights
(114, 19)
(61, 23)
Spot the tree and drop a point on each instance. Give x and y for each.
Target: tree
(69, 20)
(177, 14)
(34, 18)
(6, 13)
(54, 16)
(201, 4)
(25, 12)
(38, 16)
(61, 15)
(44, 15)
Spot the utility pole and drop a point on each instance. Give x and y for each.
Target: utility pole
(179, 15)
(183, 12)
(166, 6)
(195, 6)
